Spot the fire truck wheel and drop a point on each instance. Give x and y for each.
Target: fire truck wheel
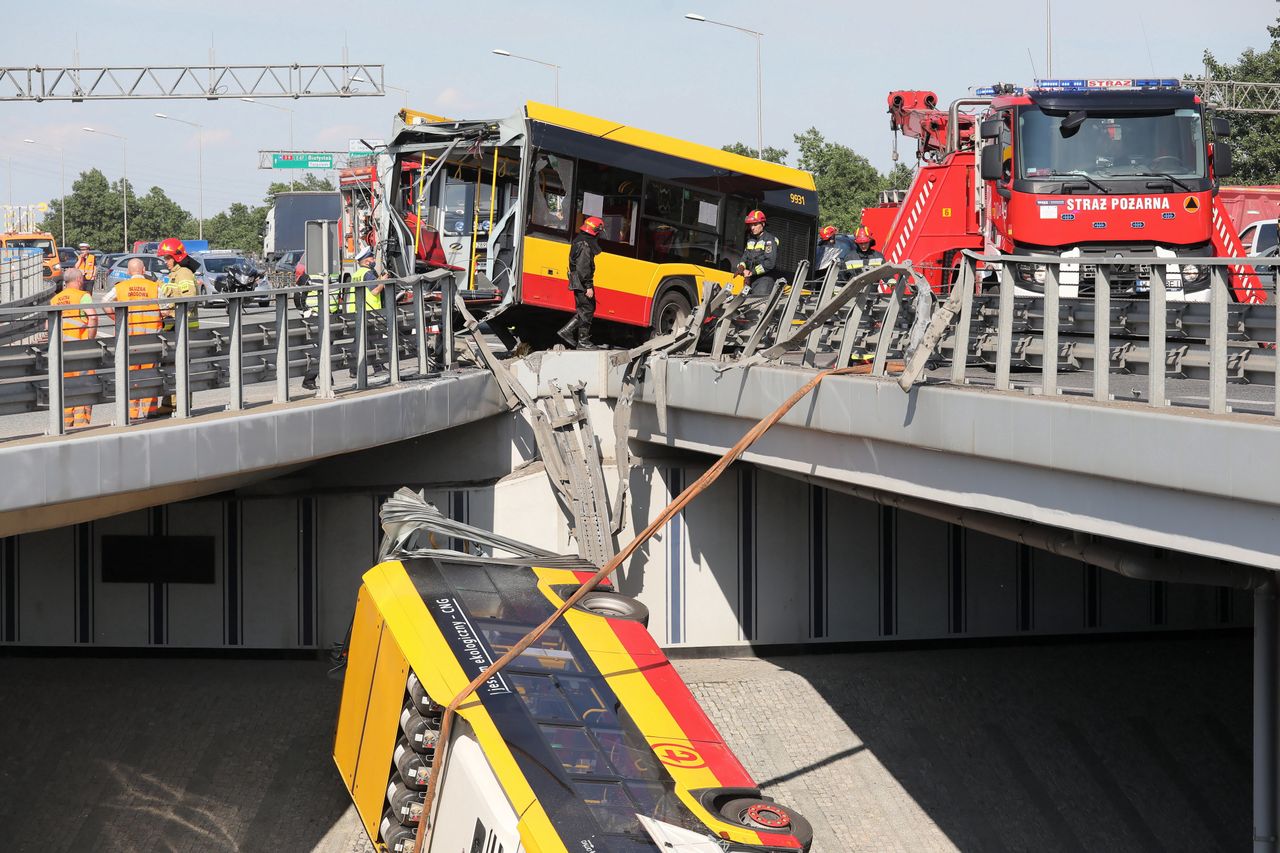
(614, 605)
(767, 816)
(670, 310)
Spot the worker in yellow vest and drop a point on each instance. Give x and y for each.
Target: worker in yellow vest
(77, 325)
(145, 318)
(372, 294)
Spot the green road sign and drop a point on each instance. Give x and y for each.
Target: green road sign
(301, 161)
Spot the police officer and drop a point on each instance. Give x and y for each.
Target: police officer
(760, 260)
(582, 282)
(864, 256)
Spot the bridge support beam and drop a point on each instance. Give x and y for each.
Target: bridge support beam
(1266, 717)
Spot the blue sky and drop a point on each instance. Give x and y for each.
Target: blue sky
(826, 64)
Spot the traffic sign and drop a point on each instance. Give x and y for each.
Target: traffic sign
(300, 160)
(358, 148)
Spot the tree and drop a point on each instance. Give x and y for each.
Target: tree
(899, 177)
(155, 216)
(309, 182)
(846, 181)
(771, 154)
(238, 227)
(95, 213)
(1255, 138)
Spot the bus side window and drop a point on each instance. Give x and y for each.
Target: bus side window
(552, 181)
(613, 195)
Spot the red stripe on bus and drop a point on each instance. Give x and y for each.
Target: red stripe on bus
(550, 292)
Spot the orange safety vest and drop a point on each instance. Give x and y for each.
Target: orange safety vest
(75, 324)
(142, 318)
(88, 264)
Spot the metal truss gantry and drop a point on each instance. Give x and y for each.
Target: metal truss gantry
(209, 82)
(1233, 96)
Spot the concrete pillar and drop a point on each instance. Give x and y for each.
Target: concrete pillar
(1266, 717)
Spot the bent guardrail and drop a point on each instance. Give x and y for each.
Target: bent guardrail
(410, 336)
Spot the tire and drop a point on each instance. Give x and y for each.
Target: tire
(300, 301)
(613, 605)
(736, 811)
(670, 310)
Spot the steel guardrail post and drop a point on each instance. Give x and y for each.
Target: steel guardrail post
(448, 286)
(1217, 340)
(1004, 328)
(888, 324)
(326, 343)
(1049, 366)
(282, 348)
(182, 359)
(420, 320)
(362, 337)
(393, 332)
(122, 365)
(1156, 333)
(56, 424)
(235, 311)
(826, 293)
(1102, 334)
(968, 283)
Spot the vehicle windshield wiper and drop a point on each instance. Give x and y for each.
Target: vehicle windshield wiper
(1164, 175)
(1084, 175)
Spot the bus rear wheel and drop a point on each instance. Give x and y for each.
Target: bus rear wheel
(670, 311)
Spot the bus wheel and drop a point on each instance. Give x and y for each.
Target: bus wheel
(670, 311)
(614, 605)
(769, 816)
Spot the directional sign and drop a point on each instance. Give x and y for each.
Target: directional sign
(301, 161)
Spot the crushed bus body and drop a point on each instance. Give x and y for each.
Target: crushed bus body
(588, 741)
(498, 201)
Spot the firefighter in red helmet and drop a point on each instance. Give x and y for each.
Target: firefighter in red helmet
(582, 283)
(760, 260)
(830, 250)
(864, 256)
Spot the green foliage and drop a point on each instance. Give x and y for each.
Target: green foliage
(899, 177)
(238, 227)
(846, 181)
(95, 212)
(771, 154)
(309, 182)
(1255, 138)
(155, 216)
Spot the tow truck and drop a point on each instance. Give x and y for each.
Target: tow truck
(1077, 168)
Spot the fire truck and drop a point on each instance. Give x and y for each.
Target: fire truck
(1078, 169)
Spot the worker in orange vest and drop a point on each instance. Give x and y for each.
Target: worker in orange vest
(144, 319)
(80, 325)
(86, 262)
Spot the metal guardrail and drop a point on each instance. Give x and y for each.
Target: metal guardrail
(250, 349)
(21, 275)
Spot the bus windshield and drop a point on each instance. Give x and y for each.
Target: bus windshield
(1168, 143)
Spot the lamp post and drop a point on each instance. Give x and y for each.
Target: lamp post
(62, 178)
(693, 16)
(124, 175)
(500, 52)
(199, 166)
(283, 110)
(404, 92)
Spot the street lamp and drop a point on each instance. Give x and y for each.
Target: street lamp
(693, 16)
(404, 92)
(501, 52)
(199, 166)
(62, 205)
(283, 110)
(124, 175)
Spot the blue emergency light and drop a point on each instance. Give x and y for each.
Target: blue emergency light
(1102, 84)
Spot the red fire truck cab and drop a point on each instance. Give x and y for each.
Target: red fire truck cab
(1079, 169)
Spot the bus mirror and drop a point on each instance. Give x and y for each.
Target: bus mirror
(990, 129)
(1222, 166)
(991, 167)
(1221, 127)
(1071, 124)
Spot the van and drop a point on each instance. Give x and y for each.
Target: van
(36, 240)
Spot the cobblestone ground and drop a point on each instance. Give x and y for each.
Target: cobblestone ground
(1135, 745)
(1140, 745)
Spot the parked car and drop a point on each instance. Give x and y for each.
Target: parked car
(288, 262)
(116, 267)
(215, 267)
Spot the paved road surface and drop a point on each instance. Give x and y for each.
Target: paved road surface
(1136, 745)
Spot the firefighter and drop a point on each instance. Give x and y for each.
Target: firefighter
(86, 262)
(864, 256)
(760, 260)
(182, 280)
(829, 251)
(582, 282)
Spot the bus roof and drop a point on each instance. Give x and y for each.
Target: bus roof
(647, 139)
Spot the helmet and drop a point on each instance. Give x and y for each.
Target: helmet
(756, 216)
(171, 247)
(863, 236)
(592, 225)
(827, 232)
(365, 252)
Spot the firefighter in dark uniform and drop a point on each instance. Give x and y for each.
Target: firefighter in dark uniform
(760, 260)
(829, 251)
(864, 256)
(582, 282)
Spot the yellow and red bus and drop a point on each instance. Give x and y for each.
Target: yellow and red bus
(587, 742)
(502, 199)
